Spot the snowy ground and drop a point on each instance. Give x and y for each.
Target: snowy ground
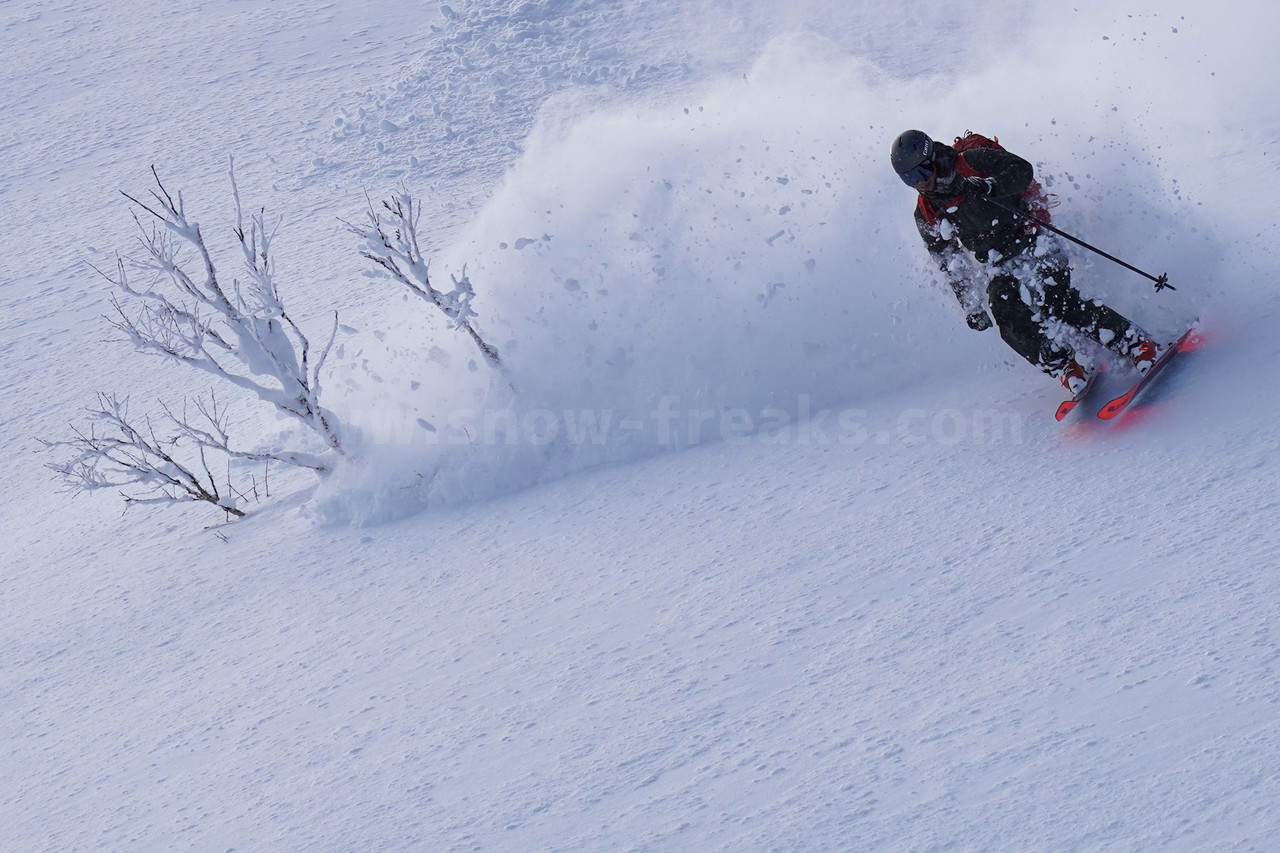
(832, 579)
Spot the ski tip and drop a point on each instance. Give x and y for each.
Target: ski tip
(1194, 340)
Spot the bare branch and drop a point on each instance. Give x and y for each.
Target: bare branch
(389, 238)
(129, 456)
(210, 432)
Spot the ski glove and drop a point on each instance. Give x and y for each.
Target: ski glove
(979, 321)
(979, 187)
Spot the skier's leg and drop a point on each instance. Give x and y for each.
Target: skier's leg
(1023, 326)
(1064, 303)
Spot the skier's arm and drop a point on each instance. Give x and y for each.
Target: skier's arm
(948, 257)
(1010, 174)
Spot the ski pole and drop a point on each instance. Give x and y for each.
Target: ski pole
(1162, 280)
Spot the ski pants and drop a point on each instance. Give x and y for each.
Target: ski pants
(1032, 299)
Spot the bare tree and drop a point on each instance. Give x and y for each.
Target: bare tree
(240, 334)
(173, 303)
(389, 238)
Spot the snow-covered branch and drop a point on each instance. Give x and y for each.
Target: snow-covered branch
(207, 429)
(389, 238)
(114, 452)
(240, 332)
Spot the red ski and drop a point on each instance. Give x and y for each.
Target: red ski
(1119, 404)
(1068, 406)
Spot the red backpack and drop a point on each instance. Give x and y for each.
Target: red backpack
(1038, 202)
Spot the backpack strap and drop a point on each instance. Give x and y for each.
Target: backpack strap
(926, 210)
(964, 169)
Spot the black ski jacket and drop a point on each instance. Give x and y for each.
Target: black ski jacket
(957, 223)
(978, 225)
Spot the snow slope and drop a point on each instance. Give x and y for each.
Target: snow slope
(844, 584)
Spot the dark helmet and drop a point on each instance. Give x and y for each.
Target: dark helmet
(912, 156)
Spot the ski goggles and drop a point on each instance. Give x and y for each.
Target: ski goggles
(920, 173)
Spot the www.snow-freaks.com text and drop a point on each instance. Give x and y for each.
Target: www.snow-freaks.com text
(673, 423)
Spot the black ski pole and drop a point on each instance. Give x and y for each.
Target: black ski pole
(1162, 280)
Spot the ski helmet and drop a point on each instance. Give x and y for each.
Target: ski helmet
(912, 156)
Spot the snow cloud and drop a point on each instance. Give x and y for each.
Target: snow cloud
(747, 246)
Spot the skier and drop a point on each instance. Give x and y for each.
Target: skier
(1029, 288)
